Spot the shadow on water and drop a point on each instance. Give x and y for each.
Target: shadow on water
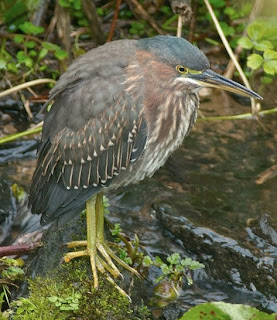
(204, 203)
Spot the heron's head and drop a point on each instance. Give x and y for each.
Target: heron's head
(186, 64)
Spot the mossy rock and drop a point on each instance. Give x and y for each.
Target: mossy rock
(69, 294)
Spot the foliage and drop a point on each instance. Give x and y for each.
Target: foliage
(30, 57)
(232, 17)
(14, 13)
(69, 294)
(225, 311)
(175, 268)
(261, 39)
(117, 229)
(137, 27)
(76, 11)
(70, 303)
(168, 284)
(10, 272)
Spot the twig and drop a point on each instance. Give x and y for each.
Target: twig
(25, 85)
(179, 26)
(194, 9)
(63, 26)
(32, 92)
(19, 249)
(94, 21)
(111, 14)
(267, 174)
(183, 9)
(254, 106)
(141, 13)
(26, 104)
(231, 66)
(118, 3)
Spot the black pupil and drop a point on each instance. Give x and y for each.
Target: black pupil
(181, 69)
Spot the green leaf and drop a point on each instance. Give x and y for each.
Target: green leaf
(12, 272)
(270, 62)
(263, 45)
(228, 31)
(21, 56)
(174, 258)
(53, 299)
(196, 265)
(29, 28)
(43, 52)
(18, 38)
(254, 61)
(225, 311)
(270, 55)
(64, 3)
(231, 12)
(245, 42)
(159, 261)
(218, 3)
(12, 67)
(61, 54)
(3, 64)
(255, 31)
(30, 44)
(147, 261)
(270, 67)
(186, 262)
(33, 53)
(14, 14)
(165, 268)
(50, 46)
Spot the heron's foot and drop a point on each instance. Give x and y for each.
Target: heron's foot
(102, 262)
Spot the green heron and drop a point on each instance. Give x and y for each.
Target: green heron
(119, 111)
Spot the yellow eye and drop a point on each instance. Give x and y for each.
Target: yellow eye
(182, 69)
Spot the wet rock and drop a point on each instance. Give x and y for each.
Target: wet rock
(225, 258)
(17, 150)
(9, 129)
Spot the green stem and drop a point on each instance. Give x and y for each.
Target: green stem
(16, 136)
(238, 116)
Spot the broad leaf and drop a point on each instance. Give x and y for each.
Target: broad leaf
(270, 55)
(225, 311)
(245, 42)
(29, 28)
(255, 31)
(254, 61)
(270, 67)
(263, 45)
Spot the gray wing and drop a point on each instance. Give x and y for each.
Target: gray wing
(94, 130)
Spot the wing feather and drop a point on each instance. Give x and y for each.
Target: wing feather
(89, 136)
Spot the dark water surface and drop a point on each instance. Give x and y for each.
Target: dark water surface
(204, 203)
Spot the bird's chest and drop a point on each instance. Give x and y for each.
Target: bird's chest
(174, 120)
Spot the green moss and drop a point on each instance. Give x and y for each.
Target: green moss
(69, 294)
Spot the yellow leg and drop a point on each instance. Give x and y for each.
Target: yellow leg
(96, 243)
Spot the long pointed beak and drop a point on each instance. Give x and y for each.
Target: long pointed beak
(209, 78)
